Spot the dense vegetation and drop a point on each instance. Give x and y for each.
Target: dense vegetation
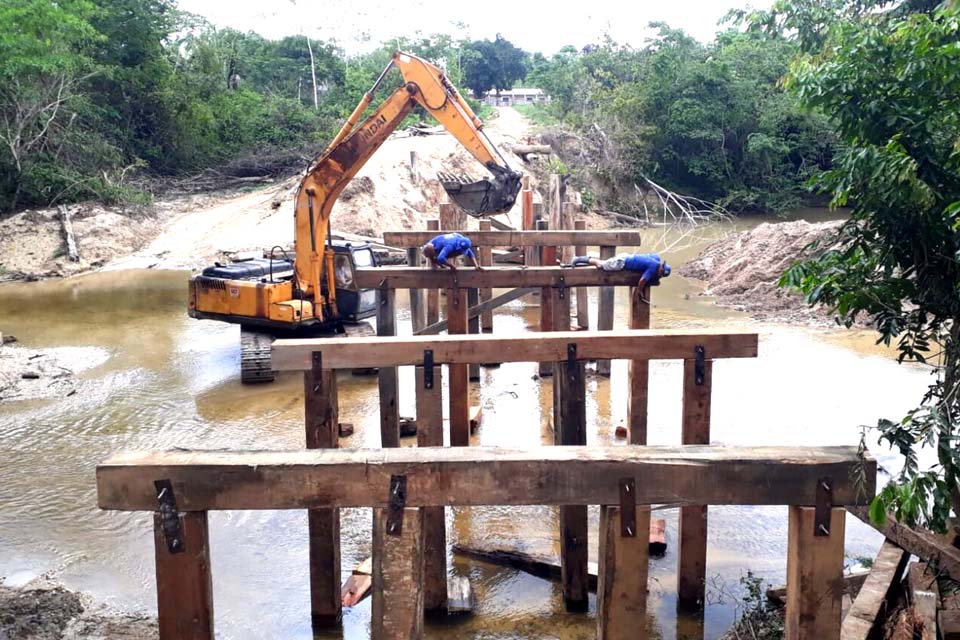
(95, 92)
(888, 75)
(709, 120)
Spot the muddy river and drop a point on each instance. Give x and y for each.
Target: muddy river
(161, 380)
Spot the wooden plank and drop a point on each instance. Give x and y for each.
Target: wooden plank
(430, 434)
(486, 293)
(920, 542)
(886, 572)
(483, 307)
(456, 348)
(472, 476)
(605, 310)
(852, 583)
(459, 385)
(184, 583)
(924, 594)
(638, 371)
(583, 305)
(473, 328)
(622, 588)
(814, 576)
(552, 238)
(321, 417)
(570, 428)
(417, 311)
(403, 277)
(692, 527)
(387, 376)
(397, 611)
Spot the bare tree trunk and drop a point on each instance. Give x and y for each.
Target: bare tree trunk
(313, 73)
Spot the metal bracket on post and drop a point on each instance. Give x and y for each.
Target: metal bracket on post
(823, 507)
(561, 288)
(395, 504)
(699, 354)
(572, 361)
(169, 516)
(428, 368)
(628, 508)
(316, 370)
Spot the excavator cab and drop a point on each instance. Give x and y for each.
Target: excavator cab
(483, 197)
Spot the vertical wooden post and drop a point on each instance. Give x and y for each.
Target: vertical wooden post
(548, 256)
(638, 371)
(530, 254)
(605, 312)
(397, 578)
(583, 306)
(184, 584)
(387, 378)
(321, 417)
(622, 577)
(430, 434)
(692, 529)
(814, 576)
(486, 260)
(452, 217)
(570, 428)
(459, 386)
(417, 311)
(473, 326)
(567, 222)
(432, 305)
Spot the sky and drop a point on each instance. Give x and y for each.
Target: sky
(359, 25)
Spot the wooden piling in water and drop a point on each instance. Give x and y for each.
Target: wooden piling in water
(548, 256)
(692, 527)
(605, 310)
(622, 576)
(638, 371)
(184, 580)
(417, 310)
(321, 419)
(459, 385)
(430, 434)
(486, 259)
(387, 376)
(814, 576)
(397, 609)
(583, 305)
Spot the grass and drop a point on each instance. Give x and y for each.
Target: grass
(537, 113)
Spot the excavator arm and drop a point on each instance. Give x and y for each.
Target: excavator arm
(426, 85)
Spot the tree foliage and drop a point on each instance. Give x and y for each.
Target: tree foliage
(495, 64)
(890, 81)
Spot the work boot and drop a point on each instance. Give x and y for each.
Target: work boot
(580, 261)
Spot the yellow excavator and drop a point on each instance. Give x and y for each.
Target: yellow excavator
(313, 293)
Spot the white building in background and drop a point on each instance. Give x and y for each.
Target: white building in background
(511, 97)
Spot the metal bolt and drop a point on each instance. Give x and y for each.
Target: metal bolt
(629, 530)
(824, 530)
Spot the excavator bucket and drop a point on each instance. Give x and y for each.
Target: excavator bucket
(483, 197)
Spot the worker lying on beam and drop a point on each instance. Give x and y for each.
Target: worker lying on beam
(651, 265)
(449, 246)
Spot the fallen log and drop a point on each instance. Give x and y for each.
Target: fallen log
(527, 149)
(873, 597)
(922, 543)
(852, 583)
(69, 238)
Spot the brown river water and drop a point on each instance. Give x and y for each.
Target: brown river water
(160, 380)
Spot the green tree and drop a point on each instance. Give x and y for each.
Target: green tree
(496, 64)
(890, 81)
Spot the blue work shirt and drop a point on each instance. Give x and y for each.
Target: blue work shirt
(649, 264)
(451, 245)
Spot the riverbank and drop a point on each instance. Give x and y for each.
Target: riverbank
(29, 374)
(43, 610)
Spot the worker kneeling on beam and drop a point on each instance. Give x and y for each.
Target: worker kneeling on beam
(651, 265)
(449, 246)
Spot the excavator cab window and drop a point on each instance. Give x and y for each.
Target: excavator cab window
(343, 271)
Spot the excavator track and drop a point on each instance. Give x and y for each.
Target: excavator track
(255, 357)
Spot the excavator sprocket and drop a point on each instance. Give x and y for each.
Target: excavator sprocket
(255, 356)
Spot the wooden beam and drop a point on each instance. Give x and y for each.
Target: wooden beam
(638, 370)
(605, 310)
(554, 238)
(417, 311)
(473, 328)
(184, 582)
(548, 256)
(321, 417)
(452, 218)
(622, 577)
(583, 305)
(473, 312)
(922, 543)
(456, 348)
(404, 277)
(692, 528)
(885, 574)
(486, 260)
(471, 476)
(397, 611)
(387, 376)
(814, 576)
(433, 294)
(430, 434)
(459, 385)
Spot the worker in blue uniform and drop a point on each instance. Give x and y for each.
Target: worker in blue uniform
(650, 265)
(443, 250)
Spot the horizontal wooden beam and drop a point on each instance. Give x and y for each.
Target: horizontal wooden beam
(469, 476)
(388, 351)
(558, 238)
(492, 277)
(478, 309)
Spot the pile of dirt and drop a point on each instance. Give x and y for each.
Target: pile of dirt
(27, 374)
(741, 270)
(48, 612)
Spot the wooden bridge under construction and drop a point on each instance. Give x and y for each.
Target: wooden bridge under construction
(409, 488)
